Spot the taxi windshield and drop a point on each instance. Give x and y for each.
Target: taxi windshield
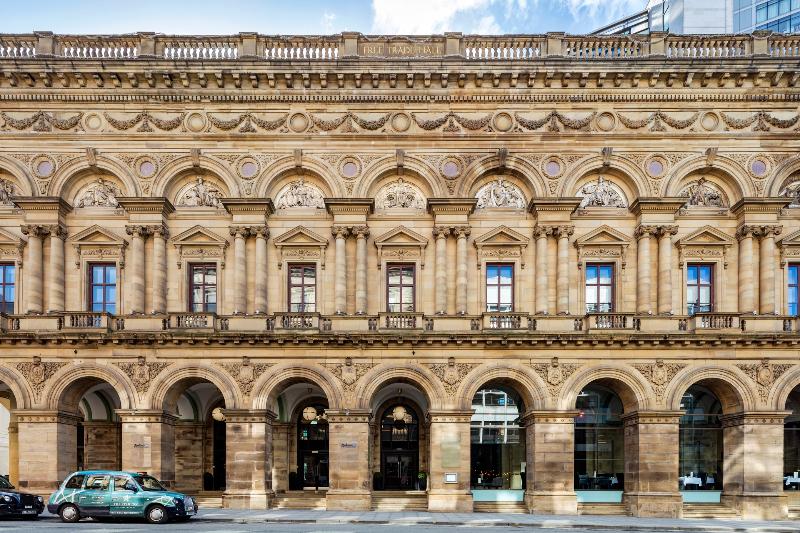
(4, 484)
(148, 483)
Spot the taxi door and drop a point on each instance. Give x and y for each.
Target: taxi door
(95, 499)
(124, 497)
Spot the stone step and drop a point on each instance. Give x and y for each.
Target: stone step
(500, 507)
(610, 509)
(709, 510)
(208, 500)
(396, 501)
(297, 499)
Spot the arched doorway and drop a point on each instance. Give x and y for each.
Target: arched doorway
(9, 460)
(599, 445)
(399, 444)
(701, 445)
(791, 447)
(312, 446)
(497, 446)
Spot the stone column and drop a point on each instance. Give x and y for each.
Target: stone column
(562, 276)
(248, 447)
(189, 455)
(47, 440)
(148, 443)
(135, 269)
(643, 268)
(361, 233)
(752, 471)
(665, 234)
(55, 274)
(101, 445)
(651, 464)
(540, 233)
(281, 462)
(767, 263)
(550, 436)
(33, 269)
(340, 286)
(746, 292)
(260, 297)
(240, 234)
(350, 475)
(159, 294)
(450, 456)
(440, 291)
(13, 451)
(462, 232)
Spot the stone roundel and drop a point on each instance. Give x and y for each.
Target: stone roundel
(146, 167)
(248, 168)
(758, 166)
(606, 121)
(43, 166)
(709, 121)
(196, 122)
(401, 122)
(451, 168)
(349, 167)
(93, 122)
(298, 122)
(553, 167)
(502, 121)
(656, 166)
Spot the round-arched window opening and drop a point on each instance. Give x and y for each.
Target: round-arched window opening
(312, 447)
(399, 448)
(497, 449)
(701, 443)
(791, 442)
(599, 444)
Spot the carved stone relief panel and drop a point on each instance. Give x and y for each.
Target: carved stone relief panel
(300, 193)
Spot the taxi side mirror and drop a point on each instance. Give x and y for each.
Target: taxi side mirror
(131, 487)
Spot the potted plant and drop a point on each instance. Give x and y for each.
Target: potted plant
(422, 481)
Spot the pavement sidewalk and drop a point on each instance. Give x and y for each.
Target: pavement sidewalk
(608, 523)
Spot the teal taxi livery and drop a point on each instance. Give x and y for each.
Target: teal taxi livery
(104, 493)
(20, 504)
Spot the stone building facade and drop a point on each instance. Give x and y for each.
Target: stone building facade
(546, 273)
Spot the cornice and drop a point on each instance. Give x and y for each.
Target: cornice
(668, 205)
(42, 203)
(759, 205)
(144, 204)
(249, 205)
(349, 206)
(451, 206)
(554, 205)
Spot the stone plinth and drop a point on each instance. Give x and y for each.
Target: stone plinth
(550, 444)
(450, 462)
(349, 455)
(248, 436)
(48, 453)
(148, 443)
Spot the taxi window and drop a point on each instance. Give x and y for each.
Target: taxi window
(123, 483)
(97, 482)
(75, 482)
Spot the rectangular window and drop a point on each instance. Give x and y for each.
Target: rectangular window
(400, 288)
(203, 288)
(599, 288)
(699, 289)
(8, 287)
(102, 288)
(499, 287)
(793, 288)
(761, 14)
(302, 288)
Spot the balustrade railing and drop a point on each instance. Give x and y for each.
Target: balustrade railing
(504, 321)
(298, 320)
(707, 46)
(611, 320)
(18, 47)
(87, 321)
(716, 321)
(198, 48)
(399, 320)
(784, 46)
(192, 321)
(512, 47)
(605, 47)
(300, 48)
(102, 47)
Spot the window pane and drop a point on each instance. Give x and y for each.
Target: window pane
(97, 274)
(605, 295)
(211, 276)
(394, 276)
(295, 277)
(591, 295)
(505, 274)
(505, 295)
(605, 274)
(197, 276)
(491, 275)
(111, 274)
(211, 295)
(10, 274)
(793, 275)
(691, 274)
(591, 275)
(761, 14)
(408, 295)
(310, 295)
(793, 309)
(97, 307)
(9, 293)
(408, 274)
(492, 294)
(295, 295)
(197, 295)
(111, 309)
(310, 273)
(691, 294)
(97, 294)
(211, 308)
(705, 295)
(111, 294)
(792, 296)
(394, 295)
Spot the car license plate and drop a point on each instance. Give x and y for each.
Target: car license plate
(29, 511)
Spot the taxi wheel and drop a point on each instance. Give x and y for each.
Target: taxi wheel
(69, 513)
(157, 514)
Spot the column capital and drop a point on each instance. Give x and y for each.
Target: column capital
(540, 231)
(746, 231)
(564, 231)
(239, 231)
(159, 230)
(57, 230)
(441, 231)
(549, 417)
(652, 417)
(46, 416)
(666, 231)
(462, 231)
(340, 232)
(146, 416)
(260, 232)
(35, 230)
(754, 418)
(361, 232)
(138, 230)
(645, 230)
(249, 415)
(767, 230)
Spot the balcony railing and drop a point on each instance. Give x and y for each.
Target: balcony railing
(297, 321)
(98, 321)
(716, 321)
(506, 321)
(611, 321)
(400, 320)
(192, 321)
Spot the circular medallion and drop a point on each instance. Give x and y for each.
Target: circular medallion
(248, 168)
(309, 414)
(606, 121)
(218, 414)
(758, 167)
(709, 121)
(401, 122)
(503, 122)
(196, 122)
(399, 413)
(298, 122)
(656, 166)
(553, 167)
(349, 167)
(451, 168)
(43, 166)
(146, 167)
(92, 122)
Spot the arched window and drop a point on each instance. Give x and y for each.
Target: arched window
(312, 446)
(498, 441)
(599, 444)
(700, 441)
(791, 442)
(399, 447)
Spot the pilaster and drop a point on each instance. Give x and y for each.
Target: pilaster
(248, 445)
(148, 443)
(550, 447)
(450, 462)
(349, 461)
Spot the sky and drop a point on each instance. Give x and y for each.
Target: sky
(271, 17)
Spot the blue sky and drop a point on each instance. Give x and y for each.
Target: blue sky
(311, 16)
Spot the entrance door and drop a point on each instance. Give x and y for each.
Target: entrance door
(312, 447)
(314, 468)
(399, 470)
(399, 447)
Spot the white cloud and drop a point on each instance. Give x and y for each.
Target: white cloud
(327, 22)
(603, 9)
(487, 25)
(421, 16)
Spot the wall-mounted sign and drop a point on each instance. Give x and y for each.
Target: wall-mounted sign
(348, 444)
(140, 445)
(451, 477)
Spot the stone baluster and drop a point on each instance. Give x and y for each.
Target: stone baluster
(462, 232)
(746, 276)
(159, 294)
(540, 233)
(767, 269)
(34, 268)
(260, 297)
(665, 234)
(440, 293)
(135, 270)
(340, 285)
(361, 233)
(55, 275)
(562, 275)
(240, 234)
(643, 268)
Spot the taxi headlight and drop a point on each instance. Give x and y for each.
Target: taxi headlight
(176, 501)
(8, 498)
(41, 500)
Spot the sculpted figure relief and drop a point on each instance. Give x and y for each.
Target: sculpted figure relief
(703, 194)
(7, 190)
(400, 194)
(792, 191)
(202, 194)
(500, 193)
(102, 193)
(300, 194)
(601, 193)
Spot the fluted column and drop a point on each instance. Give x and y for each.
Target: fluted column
(767, 269)
(361, 233)
(55, 274)
(33, 268)
(665, 234)
(159, 294)
(135, 270)
(441, 232)
(260, 297)
(462, 232)
(540, 233)
(340, 285)
(562, 276)
(240, 234)
(746, 292)
(643, 268)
